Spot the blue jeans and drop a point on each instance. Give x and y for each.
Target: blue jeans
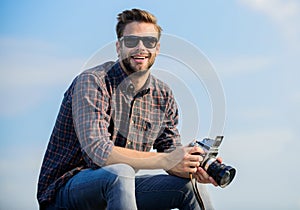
(117, 187)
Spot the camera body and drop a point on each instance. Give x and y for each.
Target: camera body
(221, 173)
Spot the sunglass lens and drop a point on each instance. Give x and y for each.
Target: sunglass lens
(131, 41)
(149, 42)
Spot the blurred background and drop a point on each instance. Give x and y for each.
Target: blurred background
(254, 46)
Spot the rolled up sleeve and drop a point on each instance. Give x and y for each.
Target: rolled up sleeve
(90, 104)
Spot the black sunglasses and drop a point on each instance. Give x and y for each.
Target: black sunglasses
(132, 41)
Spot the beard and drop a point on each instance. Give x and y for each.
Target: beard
(132, 69)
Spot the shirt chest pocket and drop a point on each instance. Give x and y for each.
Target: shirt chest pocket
(146, 134)
(148, 130)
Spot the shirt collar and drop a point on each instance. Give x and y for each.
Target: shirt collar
(125, 84)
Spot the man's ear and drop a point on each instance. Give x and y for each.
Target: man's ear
(157, 48)
(118, 48)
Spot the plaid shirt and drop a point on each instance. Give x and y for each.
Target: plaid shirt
(99, 110)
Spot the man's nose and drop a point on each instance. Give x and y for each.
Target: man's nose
(140, 45)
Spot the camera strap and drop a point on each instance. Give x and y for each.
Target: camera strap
(196, 192)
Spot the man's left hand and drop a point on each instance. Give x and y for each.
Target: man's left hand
(202, 176)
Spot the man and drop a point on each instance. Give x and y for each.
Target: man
(110, 118)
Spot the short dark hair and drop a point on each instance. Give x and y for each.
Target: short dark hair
(135, 15)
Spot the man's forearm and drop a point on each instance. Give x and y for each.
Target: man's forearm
(138, 159)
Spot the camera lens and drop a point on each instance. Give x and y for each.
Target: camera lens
(225, 179)
(221, 173)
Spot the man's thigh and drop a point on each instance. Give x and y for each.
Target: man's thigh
(92, 189)
(162, 192)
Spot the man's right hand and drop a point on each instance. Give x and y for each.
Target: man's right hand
(185, 160)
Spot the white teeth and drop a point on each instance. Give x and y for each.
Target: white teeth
(135, 57)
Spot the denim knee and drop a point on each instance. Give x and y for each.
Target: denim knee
(189, 196)
(122, 191)
(121, 170)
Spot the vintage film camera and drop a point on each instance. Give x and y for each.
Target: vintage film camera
(221, 173)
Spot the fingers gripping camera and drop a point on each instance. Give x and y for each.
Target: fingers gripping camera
(221, 173)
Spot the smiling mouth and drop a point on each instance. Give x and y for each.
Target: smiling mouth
(139, 57)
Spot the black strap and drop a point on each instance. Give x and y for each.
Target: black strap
(196, 192)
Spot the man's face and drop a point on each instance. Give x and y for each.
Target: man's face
(137, 48)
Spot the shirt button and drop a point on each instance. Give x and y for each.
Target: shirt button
(130, 89)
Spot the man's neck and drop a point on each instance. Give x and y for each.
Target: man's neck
(137, 78)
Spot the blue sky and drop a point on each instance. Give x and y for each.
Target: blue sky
(253, 45)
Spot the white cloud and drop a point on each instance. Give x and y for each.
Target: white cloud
(256, 114)
(261, 143)
(19, 175)
(284, 13)
(280, 10)
(31, 63)
(28, 69)
(264, 162)
(239, 65)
